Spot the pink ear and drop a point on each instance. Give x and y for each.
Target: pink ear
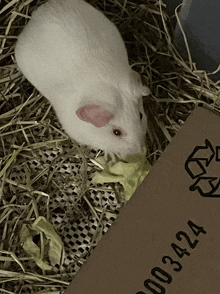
(136, 76)
(94, 114)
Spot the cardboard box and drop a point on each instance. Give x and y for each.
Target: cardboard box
(167, 238)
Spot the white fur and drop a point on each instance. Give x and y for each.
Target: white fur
(75, 56)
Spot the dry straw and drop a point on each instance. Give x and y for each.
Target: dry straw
(29, 128)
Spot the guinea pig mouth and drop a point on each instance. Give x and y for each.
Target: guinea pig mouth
(111, 156)
(114, 156)
(121, 154)
(130, 151)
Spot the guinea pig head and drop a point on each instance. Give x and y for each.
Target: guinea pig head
(112, 121)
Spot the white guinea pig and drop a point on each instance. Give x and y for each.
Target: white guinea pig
(77, 59)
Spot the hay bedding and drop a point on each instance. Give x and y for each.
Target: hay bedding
(44, 173)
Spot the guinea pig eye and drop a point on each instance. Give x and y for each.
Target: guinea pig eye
(118, 132)
(141, 115)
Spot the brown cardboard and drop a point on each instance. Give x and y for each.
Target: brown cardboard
(137, 251)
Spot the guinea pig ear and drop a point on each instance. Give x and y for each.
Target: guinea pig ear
(94, 114)
(135, 75)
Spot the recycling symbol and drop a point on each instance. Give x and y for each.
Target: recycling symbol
(203, 166)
